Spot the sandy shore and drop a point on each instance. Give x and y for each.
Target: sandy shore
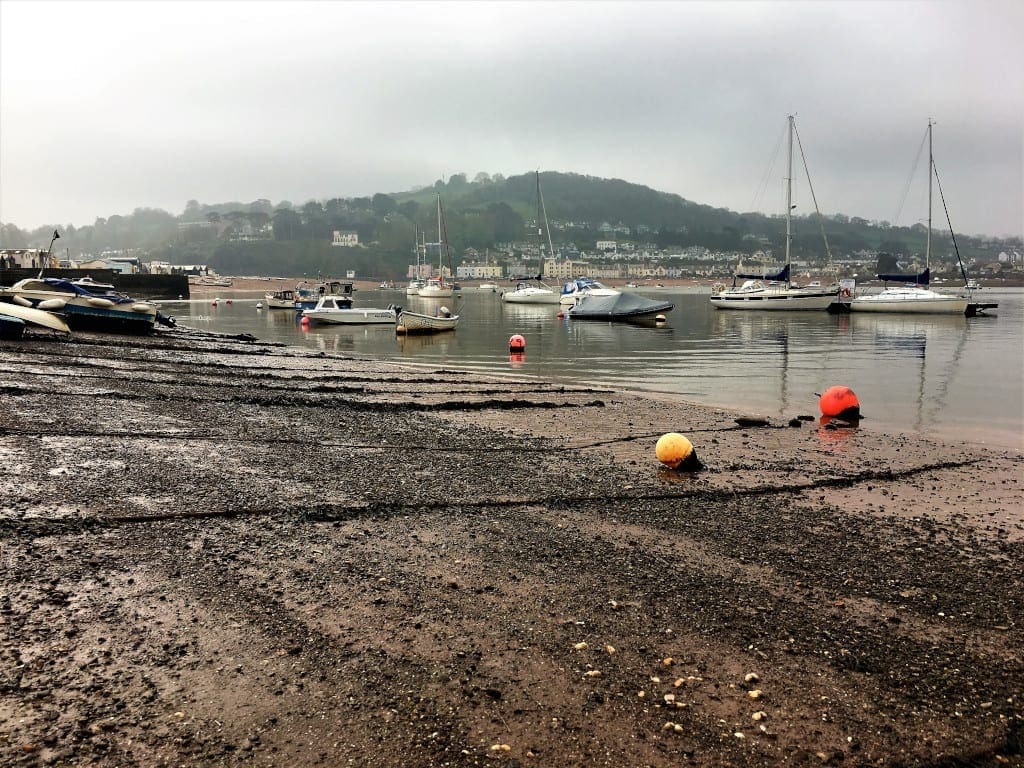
(220, 552)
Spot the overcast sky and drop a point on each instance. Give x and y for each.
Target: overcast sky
(110, 106)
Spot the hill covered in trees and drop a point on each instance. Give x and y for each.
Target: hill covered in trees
(489, 213)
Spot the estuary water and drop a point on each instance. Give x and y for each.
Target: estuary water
(953, 378)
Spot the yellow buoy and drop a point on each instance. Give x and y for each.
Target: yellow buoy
(676, 452)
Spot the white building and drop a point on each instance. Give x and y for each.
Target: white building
(345, 238)
(479, 271)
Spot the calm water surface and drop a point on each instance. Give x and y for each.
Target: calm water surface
(954, 378)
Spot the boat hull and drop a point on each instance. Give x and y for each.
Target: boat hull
(435, 293)
(117, 314)
(951, 305)
(788, 301)
(32, 316)
(416, 322)
(351, 316)
(535, 296)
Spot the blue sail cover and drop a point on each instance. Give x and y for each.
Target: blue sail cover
(66, 286)
(782, 277)
(921, 279)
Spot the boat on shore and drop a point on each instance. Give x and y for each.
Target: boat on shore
(212, 281)
(14, 318)
(83, 304)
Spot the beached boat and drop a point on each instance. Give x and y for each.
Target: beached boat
(536, 291)
(766, 291)
(14, 318)
(492, 287)
(338, 310)
(623, 307)
(212, 281)
(914, 296)
(80, 307)
(584, 286)
(419, 322)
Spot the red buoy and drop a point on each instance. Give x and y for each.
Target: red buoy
(840, 401)
(517, 344)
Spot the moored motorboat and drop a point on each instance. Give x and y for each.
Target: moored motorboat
(307, 296)
(419, 322)
(280, 299)
(338, 310)
(80, 307)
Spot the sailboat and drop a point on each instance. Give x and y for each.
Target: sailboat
(775, 291)
(413, 288)
(438, 287)
(536, 292)
(442, 319)
(915, 296)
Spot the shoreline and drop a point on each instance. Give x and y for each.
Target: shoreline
(227, 552)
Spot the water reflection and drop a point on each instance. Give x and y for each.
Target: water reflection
(941, 375)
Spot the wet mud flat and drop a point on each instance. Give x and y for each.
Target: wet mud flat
(220, 552)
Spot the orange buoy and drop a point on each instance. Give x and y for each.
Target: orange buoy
(839, 401)
(675, 451)
(517, 344)
(304, 320)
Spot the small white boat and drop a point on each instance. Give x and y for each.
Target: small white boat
(280, 299)
(418, 322)
(437, 288)
(528, 293)
(338, 310)
(973, 284)
(492, 287)
(413, 288)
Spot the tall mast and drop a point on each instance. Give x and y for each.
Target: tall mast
(440, 255)
(789, 190)
(931, 170)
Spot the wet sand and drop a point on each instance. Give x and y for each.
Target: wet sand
(223, 552)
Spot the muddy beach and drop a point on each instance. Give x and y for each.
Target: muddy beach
(222, 552)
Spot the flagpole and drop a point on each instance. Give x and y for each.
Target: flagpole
(49, 252)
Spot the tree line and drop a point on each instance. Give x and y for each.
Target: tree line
(487, 213)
